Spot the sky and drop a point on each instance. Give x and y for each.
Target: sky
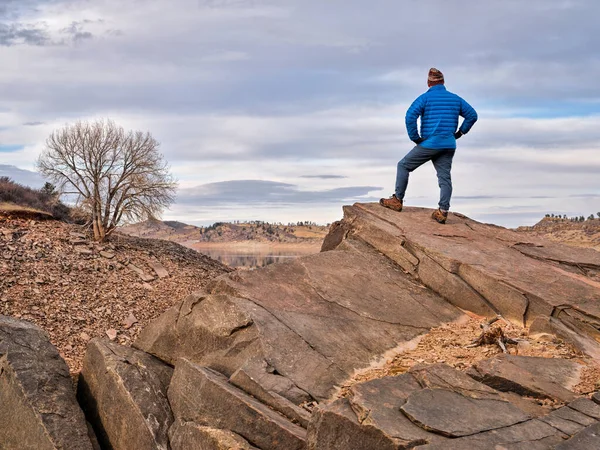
(287, 110)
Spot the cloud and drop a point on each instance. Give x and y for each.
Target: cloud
(244, 90)
(260, 192)
(324, 177)
(15, 34)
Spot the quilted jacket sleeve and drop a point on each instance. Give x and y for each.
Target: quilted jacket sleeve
(469, 114)
(416, 109)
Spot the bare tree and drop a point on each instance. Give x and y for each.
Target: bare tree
(116, 175)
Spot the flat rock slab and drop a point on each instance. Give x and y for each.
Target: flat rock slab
(264, 386)
(38, 407)
(158, 268)
(315, 319)
(478, 266)
(143, 275)
(529, 376)
(201, 395)
(586, 439)
(123, 392)
(442, 376)
(378, 403)
(530, 435)
(567, 420)
(190, 435)
(587, 407)
(336, 427)
(454, 415)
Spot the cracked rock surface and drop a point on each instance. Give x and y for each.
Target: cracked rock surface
(260, 356)
(38, 408)
(486, 269)
(123, 392)
(315, 320)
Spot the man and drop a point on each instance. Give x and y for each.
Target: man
(439, 110)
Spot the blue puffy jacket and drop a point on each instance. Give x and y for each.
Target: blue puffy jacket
(439, 111)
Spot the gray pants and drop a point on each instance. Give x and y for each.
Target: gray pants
(442, 161)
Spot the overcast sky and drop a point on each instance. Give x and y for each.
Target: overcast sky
(286, 110)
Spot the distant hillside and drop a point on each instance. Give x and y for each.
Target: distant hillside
(227, 232)
(576, 233)
(18, 199)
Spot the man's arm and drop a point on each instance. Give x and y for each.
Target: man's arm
(470, 116)
(413, 113)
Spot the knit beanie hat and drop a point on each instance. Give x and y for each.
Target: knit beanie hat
(435, 76)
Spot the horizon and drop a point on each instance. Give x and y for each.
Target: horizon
(284, 111)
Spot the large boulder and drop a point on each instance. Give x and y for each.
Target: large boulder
(484, 268)
(205, 397)
(314, 320)
(123, 392)
(38, 409)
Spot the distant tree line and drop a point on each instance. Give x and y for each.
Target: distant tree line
(572, 219)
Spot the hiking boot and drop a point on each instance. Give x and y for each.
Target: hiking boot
(440, 216)
(393, 203)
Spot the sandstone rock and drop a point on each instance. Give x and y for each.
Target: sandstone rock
(336, 427)
(454, 415)
(124, 395)
(442, 376)
(258, 372)
(578, 338)
(129, 321)
(530, 435)
(198, 394)
(586, 439)
(567, 420)
(483, 267)
(528, 376)
(378, 403)
(158, 268)
(143, 275)
(587, 407)
(107, 255)
(315, 319)
(190, 435)
(38, 407)
(111, 333)
(265, 386)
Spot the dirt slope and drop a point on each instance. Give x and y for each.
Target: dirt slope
(52, 275)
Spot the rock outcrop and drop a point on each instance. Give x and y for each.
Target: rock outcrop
(38, 408)
(263, 359)
(124, 394)
(484, 268)
(314, 320)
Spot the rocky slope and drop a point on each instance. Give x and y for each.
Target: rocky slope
(579, 234)
(226, 232)
(333, 351)
(51, 274)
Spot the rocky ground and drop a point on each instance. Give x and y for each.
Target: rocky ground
(51, 274)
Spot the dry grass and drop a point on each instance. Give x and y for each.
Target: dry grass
(448, 344)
